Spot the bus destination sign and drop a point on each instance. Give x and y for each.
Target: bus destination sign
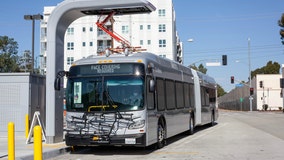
(122, 68)
(105, 68)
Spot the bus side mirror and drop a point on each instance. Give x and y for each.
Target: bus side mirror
(150, 68)
(152, 85)
(57, 83)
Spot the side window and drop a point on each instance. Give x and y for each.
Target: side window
(186, 95)
(212, 95)
(191, 95)
(150, 95)
(207, 96)
(160, 94)
(170, 94)
(202, 96)
(179, 95)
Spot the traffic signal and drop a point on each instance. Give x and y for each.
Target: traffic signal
(232, 79)
(251, 91)
(224, 60)
(261, 84)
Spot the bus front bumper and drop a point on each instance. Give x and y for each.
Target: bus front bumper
(138, 140)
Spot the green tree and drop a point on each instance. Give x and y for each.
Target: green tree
(200, 68)
(270, 68)
(281, 24)
(8, 55)
(220, 91)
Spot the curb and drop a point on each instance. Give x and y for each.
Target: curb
(47, 154)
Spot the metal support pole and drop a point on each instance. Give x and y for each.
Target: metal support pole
(33, 45)
(250, 97)
(33, 18)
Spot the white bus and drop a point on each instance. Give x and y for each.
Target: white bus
(135, 100)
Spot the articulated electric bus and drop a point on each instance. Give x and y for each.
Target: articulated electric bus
(135, 100)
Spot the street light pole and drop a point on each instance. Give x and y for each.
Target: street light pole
(190, 40)
(250, 97)
(33, 18)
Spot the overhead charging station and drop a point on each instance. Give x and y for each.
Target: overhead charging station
(61, 17)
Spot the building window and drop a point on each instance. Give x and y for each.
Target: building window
(148, 27)
(70, 31)
(162, 12)
(84, 29)
(141, 42)
(162, 43)
(83, 44)
(91, 43)
(141, 27)
(125, 29)
(91, 29)
(101, 32)
(149, 42)
(162, 28)
(70, 60)
(70, 46)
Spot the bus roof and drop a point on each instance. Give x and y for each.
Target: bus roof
(146, 58)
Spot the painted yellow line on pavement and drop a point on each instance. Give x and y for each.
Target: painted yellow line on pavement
(179, 153)
(54, 145)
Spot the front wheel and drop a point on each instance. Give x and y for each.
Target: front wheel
(161, 136)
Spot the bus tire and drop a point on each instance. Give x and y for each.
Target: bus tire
(212, 119)
(191, 126)
(161, 136)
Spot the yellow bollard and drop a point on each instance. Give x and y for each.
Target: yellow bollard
(27, 126)
(11, 141)
(37, 143)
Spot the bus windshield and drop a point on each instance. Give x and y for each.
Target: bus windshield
(105, 93)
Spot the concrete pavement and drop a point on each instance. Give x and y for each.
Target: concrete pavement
(25, 151)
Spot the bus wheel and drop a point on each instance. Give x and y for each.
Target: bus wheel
(190, 130)
(191, 126)
(161, 136)
(212, 119)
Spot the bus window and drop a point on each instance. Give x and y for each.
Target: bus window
(179, 95)
(186, 95)
(206, 96)
(212, 95)
(170, 94)
(160, 94)
(191, 95)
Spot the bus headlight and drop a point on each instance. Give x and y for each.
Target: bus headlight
(137, 125)
(70, 126)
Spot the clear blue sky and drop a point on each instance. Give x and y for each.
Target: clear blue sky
(217, 27)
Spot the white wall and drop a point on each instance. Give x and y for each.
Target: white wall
(270, 92)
